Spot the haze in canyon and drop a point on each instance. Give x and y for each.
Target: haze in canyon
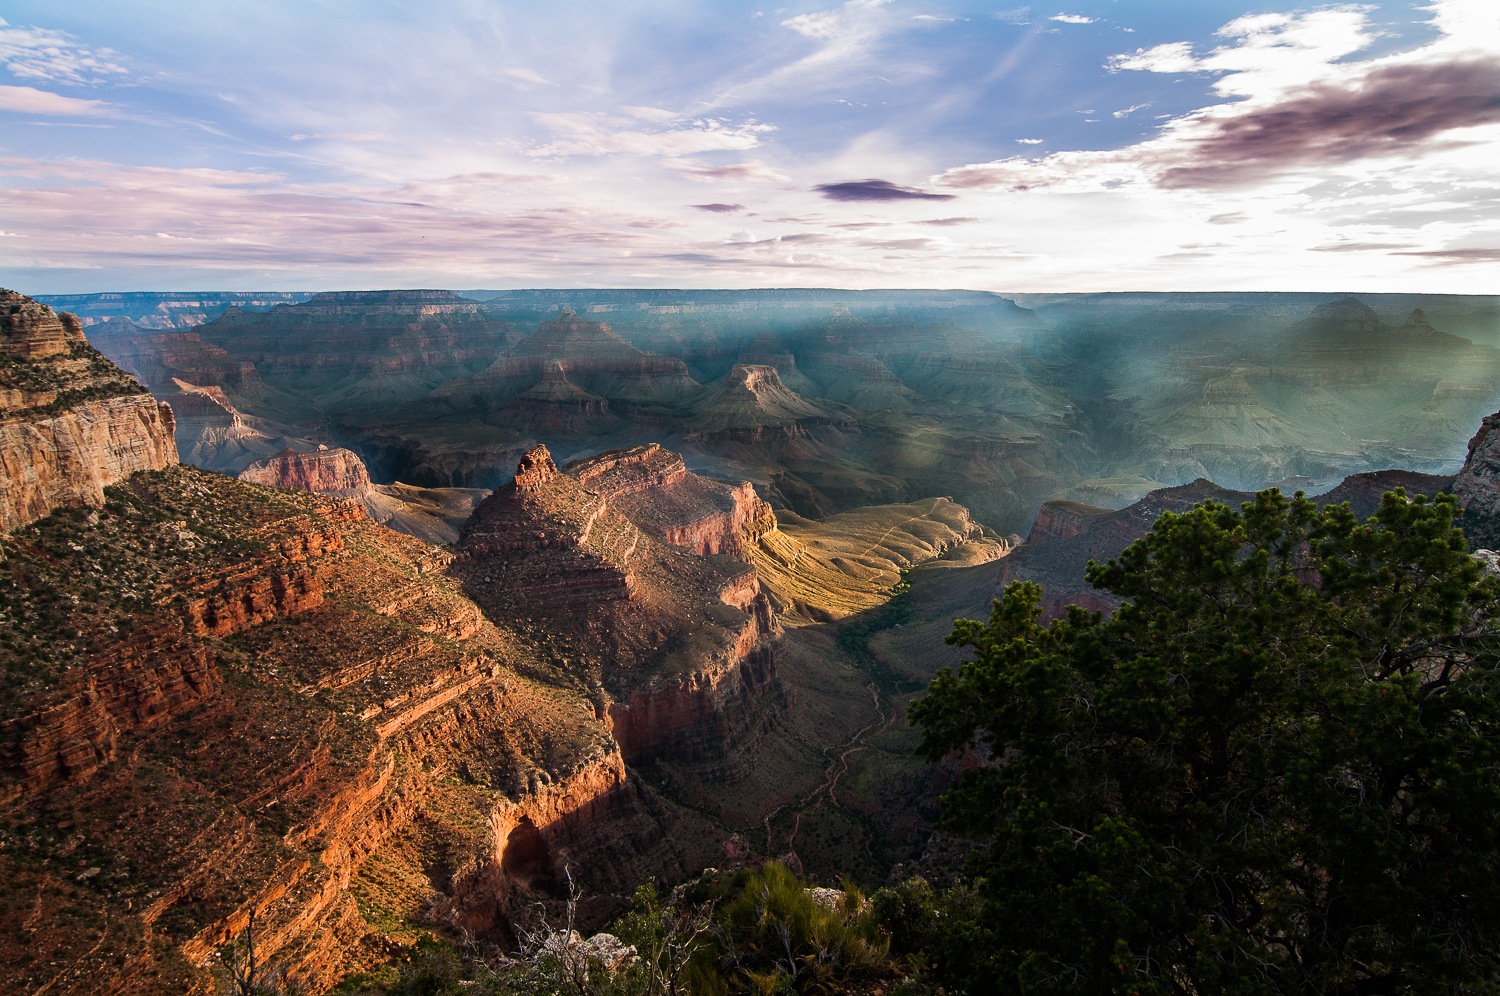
(487, 489)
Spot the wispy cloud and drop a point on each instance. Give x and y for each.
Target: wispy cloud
(30, 100)
(750, 172)
(720, 208)
(1126, 112)
(1071, 19)
(651, 113)
(1305, 109)
(42, 54)
(601, 134)
(523, 75)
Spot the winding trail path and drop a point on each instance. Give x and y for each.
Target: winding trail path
(838, 766)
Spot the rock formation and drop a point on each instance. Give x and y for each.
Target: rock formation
(1478, 486)
(336, 472)
(821, 571)
(678, 644)
(261, 694)
(751, 397)
(652, 487)
(432, 514)
(70, 422)
(1061, 518)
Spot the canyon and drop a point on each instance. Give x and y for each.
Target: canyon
(828, 401)
(453, 597)
(237, 697)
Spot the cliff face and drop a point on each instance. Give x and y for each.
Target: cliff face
(653, 488)
(1060, 518)
(70, 422)
(572, 366)
(677, 644)
(264, 692)
(1478, 486)
(336, 472)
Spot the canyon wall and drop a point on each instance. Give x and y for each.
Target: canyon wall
(70, 422)
(269, 692)
(676, 638)
(336, 472)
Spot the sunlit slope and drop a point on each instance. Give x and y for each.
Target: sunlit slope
(846, 563)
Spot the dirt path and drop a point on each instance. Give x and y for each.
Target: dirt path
(838, 766)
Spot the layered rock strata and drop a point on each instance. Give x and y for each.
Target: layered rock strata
(652, 487)
(299, 717)
(70, 422)
(336, 472)
(432, 514)
(678, 644)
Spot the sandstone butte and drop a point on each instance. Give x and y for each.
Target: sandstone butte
(227, 699)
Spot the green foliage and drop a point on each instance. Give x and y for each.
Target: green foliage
(855, 633)
(1275, 769)
(642, 927)
(776, 936)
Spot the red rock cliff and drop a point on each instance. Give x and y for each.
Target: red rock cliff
(71, 422)
(652, 487)
(337, 472)
(677, 643)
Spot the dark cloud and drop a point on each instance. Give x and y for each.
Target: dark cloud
(1393, 110)
(719, 208)
(876, 190)
(945, 222)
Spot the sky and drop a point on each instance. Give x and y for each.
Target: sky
(1105, 145)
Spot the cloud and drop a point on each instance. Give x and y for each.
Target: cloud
(527, 76)
(1358, 246)
(1305, 110)
(1458, 255)
(651, 113)
(1391, 111)
(831, 24)
(1016, 15)
(338, 136)
(844, 37)
(751, 172)
(932, 17)
(41, 54)
(29, 100)
(946, 222)
(719, 208)
(876, 190)
(601, 134)
(1265, 51)
(1030, 141)
(1130, 110)
(1071, 19)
